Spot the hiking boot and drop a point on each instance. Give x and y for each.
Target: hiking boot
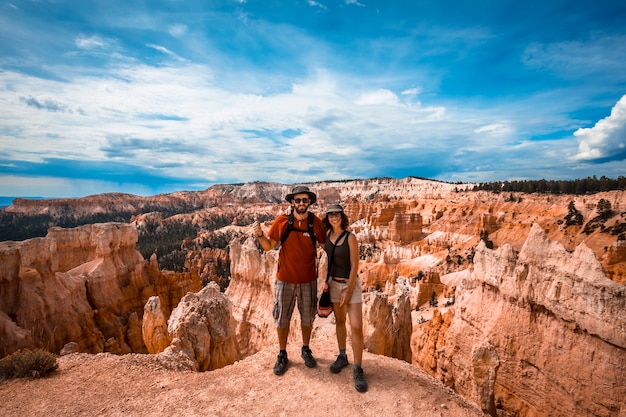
(359, 379)
(339, 364)
(307, 355)
(281, 363)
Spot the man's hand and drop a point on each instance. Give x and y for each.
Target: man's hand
(256, 228)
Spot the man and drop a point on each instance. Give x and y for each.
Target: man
(296, 278)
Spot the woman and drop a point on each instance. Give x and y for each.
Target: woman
(345, 290)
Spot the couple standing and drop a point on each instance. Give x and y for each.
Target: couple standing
(296, 279)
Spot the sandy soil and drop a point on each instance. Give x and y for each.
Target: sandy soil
(137, 385)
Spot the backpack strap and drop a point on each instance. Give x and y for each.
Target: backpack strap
(289, 228)
(310, 228)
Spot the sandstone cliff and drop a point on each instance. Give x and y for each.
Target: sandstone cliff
(86, 285)
(540, 332)
(389, 213)
(532, 327)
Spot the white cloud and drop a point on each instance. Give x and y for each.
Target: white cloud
(176, 120)
(163, 50)
(607, 139)
(498, 129)
(90, 42)
(412, 91)
(314, 3)
(174, 117)
(380, 96)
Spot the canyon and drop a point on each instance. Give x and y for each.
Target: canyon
(500, 297)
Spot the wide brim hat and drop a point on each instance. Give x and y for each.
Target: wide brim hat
(334, 208)
(301, 189)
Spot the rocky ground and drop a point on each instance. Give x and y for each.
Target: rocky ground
(110, 385)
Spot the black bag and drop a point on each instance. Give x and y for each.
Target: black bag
(324, 306)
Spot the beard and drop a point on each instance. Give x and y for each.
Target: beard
(301, 209)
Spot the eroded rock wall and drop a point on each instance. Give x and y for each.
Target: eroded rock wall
(387, 325)
(251, 291)
(86, 285)
(536, 333)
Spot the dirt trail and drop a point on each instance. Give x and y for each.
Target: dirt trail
(137, 385)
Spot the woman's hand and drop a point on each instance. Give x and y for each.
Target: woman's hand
(344, 298)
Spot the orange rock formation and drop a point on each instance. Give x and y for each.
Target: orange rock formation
(540, 332)
(535, 326)
(86, 285)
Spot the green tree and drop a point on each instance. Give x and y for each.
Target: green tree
(604, 207)
(433, 299)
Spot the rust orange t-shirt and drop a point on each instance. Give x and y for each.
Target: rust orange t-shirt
(297, 257)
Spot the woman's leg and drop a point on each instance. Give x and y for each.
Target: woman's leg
(340, 326)
(356, 326)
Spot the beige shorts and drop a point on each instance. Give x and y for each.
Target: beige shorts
(338, 288)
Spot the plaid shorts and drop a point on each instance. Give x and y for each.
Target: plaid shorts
(285, 296)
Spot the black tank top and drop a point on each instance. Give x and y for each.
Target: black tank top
(341, 259)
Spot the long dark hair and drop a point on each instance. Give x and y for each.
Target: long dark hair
(344, 221)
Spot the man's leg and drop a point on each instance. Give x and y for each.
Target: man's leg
(283, 307)
(283, 335)
(306, 334)
(307, 304)
(284, 303)
(281, 361)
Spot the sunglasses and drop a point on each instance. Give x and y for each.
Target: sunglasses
(334, 214)
(301, 200)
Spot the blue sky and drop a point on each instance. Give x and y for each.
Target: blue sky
(149, 97)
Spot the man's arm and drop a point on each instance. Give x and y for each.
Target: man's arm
(266, 242)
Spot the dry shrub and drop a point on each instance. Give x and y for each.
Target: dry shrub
(27, 363)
